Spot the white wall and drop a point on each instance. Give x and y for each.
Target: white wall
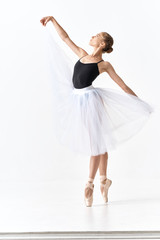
(28, 149)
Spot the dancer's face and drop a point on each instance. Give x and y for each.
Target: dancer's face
(97, 40)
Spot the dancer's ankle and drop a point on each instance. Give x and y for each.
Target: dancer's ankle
(90, 180)
(102, 178)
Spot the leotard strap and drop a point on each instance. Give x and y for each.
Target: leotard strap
(100, 61)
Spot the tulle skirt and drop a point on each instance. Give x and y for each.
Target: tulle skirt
(92, 120)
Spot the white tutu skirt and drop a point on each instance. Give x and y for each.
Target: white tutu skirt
(91, 120)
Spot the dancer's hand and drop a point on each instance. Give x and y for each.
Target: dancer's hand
(44, 20)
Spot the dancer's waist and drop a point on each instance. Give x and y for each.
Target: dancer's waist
(82, 90)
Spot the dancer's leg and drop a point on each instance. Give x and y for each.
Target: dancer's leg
(93, 167)
(103, 164)
(103, 168)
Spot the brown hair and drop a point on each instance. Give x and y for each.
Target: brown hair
(108, 41)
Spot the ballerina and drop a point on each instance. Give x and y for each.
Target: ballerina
(91, 120)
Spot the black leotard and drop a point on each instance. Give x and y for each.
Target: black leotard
(84, 74)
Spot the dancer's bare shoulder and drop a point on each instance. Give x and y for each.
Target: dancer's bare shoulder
(107, 67)
(104, 66)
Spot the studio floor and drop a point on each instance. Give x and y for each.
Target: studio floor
(134, 205)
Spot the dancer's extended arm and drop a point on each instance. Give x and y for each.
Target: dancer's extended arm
(107, 67)
(64, 36)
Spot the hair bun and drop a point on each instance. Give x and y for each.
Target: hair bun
(108, 43)
(109, 50)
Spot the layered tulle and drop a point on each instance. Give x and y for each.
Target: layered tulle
(92, 120)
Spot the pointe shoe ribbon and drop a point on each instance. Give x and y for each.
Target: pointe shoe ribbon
(89, 200)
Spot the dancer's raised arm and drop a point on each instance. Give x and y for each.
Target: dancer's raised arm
(64, 36)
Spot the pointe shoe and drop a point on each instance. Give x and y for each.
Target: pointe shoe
(106, 186)
(89, 200)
